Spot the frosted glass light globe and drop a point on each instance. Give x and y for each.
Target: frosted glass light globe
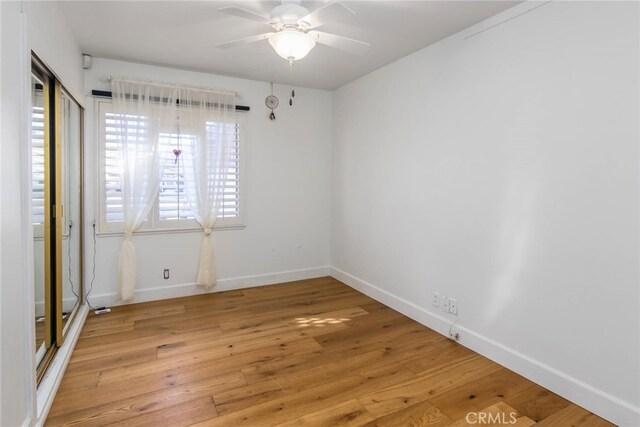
(292, 44)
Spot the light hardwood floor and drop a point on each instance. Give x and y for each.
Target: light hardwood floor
(305, 353)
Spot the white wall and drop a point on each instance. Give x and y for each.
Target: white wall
(51, 39)
(287, 195)
(15, 359)
(502, 170)
(46, 33)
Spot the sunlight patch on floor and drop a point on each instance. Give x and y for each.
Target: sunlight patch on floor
(318, 322)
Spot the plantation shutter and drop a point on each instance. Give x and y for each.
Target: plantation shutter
(37, 172)
(112, 164)
(173, 200)
(173, 204)
(231, 203)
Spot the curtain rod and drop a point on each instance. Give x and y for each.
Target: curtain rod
(174, 86)
(108, 94)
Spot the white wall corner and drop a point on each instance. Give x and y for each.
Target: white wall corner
(595, 400)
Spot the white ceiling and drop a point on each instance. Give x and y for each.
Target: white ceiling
(181, 34)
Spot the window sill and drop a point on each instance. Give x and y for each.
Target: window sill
(169, 231)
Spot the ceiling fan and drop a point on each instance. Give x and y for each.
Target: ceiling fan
(294, 33)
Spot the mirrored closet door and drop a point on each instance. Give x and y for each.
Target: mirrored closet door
(71, 189)
(39, 195)
(56, 164)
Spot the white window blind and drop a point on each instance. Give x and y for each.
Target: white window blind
(231, 203)
(172, 209)
(112, 161)
(111, 166)
(37, 168)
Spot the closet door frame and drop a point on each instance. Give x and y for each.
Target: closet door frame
(62, 328)
(54, 212)
(48, 94)
(58, 213)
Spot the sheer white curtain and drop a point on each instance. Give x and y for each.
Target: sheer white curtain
(210, 116)
(143, 111)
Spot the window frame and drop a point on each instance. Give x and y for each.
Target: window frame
(153, 224)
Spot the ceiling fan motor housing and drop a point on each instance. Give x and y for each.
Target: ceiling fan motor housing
(288, 14)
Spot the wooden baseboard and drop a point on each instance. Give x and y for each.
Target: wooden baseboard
(188, 289)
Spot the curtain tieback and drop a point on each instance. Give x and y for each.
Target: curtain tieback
(128, 235)
(207, 231)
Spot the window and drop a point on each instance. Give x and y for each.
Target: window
(173, 204)
(172, 210)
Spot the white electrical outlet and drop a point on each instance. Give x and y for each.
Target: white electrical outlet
(444, 303)
(436, 299)
(453, 306)
(454, 333)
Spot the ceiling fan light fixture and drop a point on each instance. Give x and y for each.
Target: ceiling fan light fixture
(292, 44)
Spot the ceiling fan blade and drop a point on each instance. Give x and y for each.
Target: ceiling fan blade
(353, 46)
(244, 13)
(332, 12)
(246, 40)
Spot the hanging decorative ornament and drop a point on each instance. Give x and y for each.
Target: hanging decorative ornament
(272, 103)
(177, 152)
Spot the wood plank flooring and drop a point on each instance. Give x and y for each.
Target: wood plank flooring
(306, 353)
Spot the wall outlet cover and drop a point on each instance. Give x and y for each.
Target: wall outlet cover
(453, 306)
(444, 303)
